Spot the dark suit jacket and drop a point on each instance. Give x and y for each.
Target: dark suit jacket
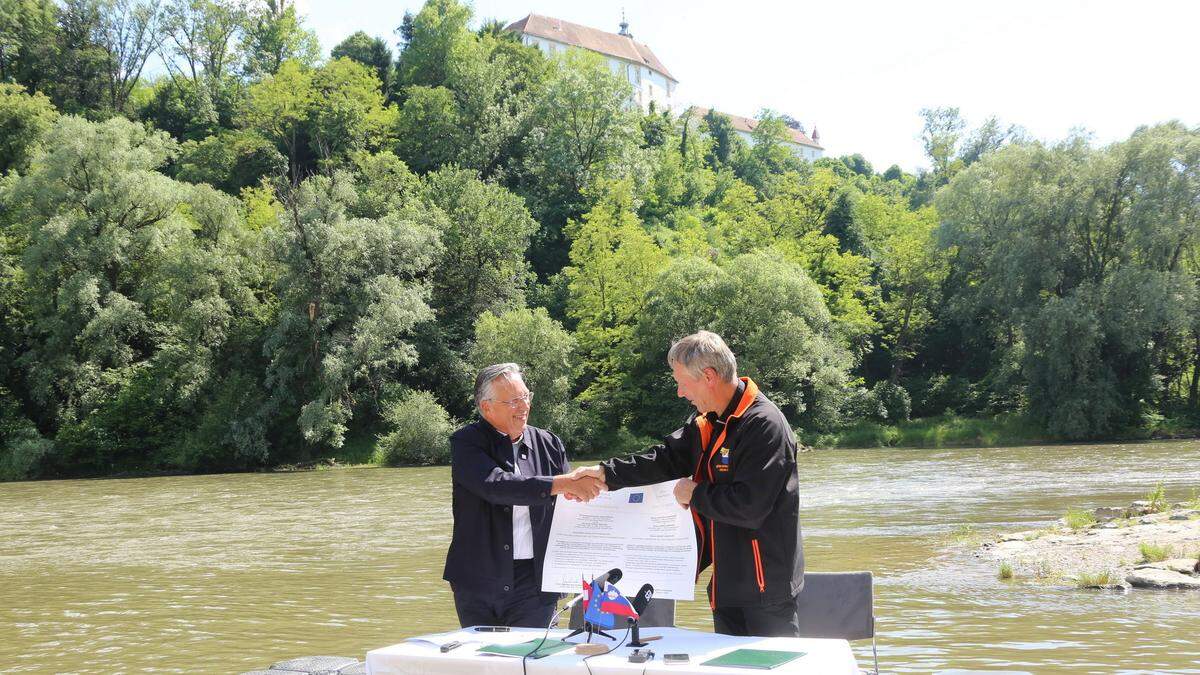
(484, 491)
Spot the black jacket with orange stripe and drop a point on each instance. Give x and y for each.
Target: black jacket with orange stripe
(746, 505)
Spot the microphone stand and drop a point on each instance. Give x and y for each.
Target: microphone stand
(589, 627)
(591, 630)
(636, 637)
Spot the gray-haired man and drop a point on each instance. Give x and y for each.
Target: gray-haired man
(505, 477)
(736, 461)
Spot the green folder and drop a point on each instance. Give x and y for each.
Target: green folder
(526, 648)
(763, 659)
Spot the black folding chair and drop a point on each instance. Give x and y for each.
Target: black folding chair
(838, 605)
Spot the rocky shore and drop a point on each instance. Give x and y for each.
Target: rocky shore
(1111, 547)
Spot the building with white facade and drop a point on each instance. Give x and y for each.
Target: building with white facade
(804, 147)
(652, 82)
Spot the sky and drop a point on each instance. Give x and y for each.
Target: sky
(860, 72)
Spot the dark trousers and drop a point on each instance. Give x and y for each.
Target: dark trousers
(523, 605)
(777, 620)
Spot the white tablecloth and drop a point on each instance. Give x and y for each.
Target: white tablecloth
(421, 656)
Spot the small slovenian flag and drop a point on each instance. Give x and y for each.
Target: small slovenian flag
(613, 602)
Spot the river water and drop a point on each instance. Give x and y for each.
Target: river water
(229, 573)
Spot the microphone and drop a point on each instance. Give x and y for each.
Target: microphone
(644, 595)
(610, 577)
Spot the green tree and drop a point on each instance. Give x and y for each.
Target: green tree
(22, 447)
(584, 133)
(28, 36)
(858, 164)
(24, 119)
(774, 319)
(198, 38)
(126, 35)
(496, 82)
(613, 264)
(485, 234)
(913, 268)
(371, 52)
(941, 135)
(1082, 245)
(138, 287)
(275, 35)
(279, 107)
(182, 108)
(726, 143)
(384, 185)
(418, 429)
(198, 43)
(429, 131)
(770, 153)
(349, 115)
(230, 161)
(436, 31)
(350, 294)
(545, 352)
(76, 68)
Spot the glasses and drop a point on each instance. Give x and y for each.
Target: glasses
(527, 399)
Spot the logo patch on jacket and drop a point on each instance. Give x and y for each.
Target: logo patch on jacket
(724, 465)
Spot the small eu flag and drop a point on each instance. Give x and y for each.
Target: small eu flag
(636, 497)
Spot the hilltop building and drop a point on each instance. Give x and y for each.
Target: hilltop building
(804, 147)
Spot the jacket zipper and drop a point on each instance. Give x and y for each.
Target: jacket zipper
(758, 568)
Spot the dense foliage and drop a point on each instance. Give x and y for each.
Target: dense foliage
(260, 255)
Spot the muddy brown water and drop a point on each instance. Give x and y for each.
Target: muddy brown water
(228, 573)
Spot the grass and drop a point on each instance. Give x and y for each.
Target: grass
(1101, 579)
(965, 533)
(1078, 519)
(1155, 552)
(1157, 498)
(1044, 570)
(1006, 572)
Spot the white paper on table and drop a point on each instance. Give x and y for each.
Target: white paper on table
(643, 531)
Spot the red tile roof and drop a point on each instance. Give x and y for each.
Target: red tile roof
(594, 39)
(747, 125)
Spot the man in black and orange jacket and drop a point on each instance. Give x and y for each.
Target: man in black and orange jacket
(736, 461)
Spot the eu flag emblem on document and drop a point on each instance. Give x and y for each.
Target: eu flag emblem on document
(637, 497)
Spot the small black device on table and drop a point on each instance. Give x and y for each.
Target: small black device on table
(641, 656)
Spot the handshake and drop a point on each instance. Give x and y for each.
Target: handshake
(581, 485)
(587, 482)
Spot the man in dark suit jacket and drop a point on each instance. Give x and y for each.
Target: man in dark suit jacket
(505, 478)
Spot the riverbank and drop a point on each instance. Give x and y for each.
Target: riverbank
(952, 431)
(943, 431)
(1108, 547)
(946, 431)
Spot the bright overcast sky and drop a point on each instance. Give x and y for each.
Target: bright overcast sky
(861, 71)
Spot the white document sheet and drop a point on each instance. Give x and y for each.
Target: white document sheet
(643, 531)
